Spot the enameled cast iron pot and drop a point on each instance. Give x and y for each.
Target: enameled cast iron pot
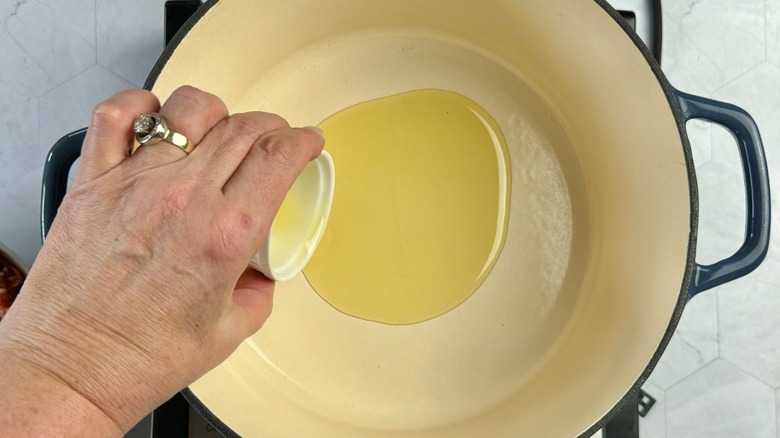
(599, 259)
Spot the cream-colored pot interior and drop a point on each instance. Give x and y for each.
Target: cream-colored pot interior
(597, 242)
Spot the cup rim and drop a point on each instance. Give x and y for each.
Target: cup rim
(261, 260)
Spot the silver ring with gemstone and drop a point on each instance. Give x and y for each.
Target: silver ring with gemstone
(151, 128)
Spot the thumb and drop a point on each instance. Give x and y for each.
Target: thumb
(251, 307)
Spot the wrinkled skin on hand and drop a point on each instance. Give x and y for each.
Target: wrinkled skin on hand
(142, 285)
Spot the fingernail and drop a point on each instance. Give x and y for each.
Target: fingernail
(315, 129)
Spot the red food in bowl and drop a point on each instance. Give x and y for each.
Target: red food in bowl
(11, 280)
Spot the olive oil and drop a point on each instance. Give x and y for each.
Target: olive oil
(420, 209)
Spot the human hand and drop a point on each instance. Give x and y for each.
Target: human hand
(142, 285)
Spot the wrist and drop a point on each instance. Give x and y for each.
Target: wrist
(36, 403)
(66, 370)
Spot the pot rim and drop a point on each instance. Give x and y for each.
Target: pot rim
(668, 90)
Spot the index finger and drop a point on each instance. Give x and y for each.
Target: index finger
(261, 181)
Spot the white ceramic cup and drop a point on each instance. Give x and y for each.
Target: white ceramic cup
(300, 222)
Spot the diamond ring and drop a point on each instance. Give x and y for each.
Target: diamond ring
(151, 128)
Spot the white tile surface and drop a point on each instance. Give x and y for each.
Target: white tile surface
(772, 11)
(677, 8)
(18, 69)
(721, 200)
(654, 423)
(720, 401)
(7, 9)
(130, 37)
(700, 137)
(686, 67)
(67, 107)
(758, 92)
(729, 33)
(76, 16)
(693, 345)
(47, 42)
(777, 410)
(19, 229)
(750, 328)
(19, 123)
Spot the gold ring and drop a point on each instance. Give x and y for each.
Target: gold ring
(151, 128)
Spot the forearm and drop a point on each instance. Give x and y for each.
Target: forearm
(69, 376)
(35, 403)
(142, 286)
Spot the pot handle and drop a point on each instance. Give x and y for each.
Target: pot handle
(751, 151)
(55, 176)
